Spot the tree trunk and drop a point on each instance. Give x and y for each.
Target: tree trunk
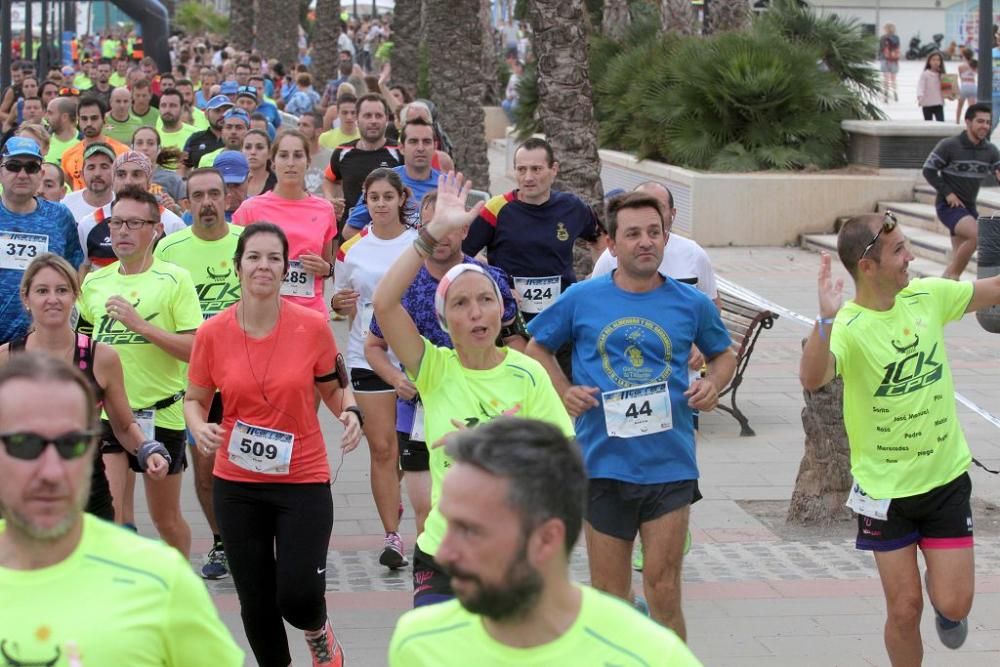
(824, 478)
(725, 15)
(677, 16)
(278, 34)
(406, 42)
(325, 54)
(454, 39)
(241, 24)
(616, 19)
(490, 57)
(565, 101)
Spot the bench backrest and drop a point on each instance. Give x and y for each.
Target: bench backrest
(742, 318)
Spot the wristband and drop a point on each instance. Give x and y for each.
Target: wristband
(821, 322)
(330, 274)
(357, 413)
(147, 449)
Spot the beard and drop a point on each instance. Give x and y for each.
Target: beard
(516, 594)
(34, 531)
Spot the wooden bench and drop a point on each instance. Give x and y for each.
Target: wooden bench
(745, 321)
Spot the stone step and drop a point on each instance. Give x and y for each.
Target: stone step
(988, 201)
(930, 261)
(914, 215)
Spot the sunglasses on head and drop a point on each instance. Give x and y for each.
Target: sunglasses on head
(29, 446)
(889, 223)
(29, 168)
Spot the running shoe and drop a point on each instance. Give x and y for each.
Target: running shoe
(640, 605)
(216, 565)
(325, 649)
(951, 633)
(392, 553)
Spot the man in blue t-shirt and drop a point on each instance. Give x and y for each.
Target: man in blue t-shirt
(632, 332)
(419, 303)
(416, 173)
(29, 226)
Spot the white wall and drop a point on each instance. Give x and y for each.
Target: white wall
(926, 17)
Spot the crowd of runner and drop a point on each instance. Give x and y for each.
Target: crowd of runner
(173, 246)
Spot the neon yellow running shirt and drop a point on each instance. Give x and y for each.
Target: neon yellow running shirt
(899, 398)
(606, 632)
(118, 599)
(210, 264)
(517, 386)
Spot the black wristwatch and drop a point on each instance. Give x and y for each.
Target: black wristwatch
(357, 411)
(332, 267)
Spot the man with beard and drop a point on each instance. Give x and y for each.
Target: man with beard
(206, 250)
(97, 174)
(173, 133)
(142, 102)
(50, 549)
(90, 117)
(235, 124)
(208, 140)
(119, 123)
(514, 501)
(61, 115)
(102, 87)
(351, 163)
(198, 119)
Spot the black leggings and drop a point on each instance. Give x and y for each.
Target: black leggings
(935, 112)
(276, 537)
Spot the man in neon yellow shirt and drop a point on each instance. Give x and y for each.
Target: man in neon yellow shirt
(147, 599)
(908, 455)
(347, 113)
(148, 310)
(514, 501)
(173, 132)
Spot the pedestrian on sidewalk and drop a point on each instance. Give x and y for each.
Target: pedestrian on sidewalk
(909, 456)
(955, 168)
(966, 82)
(929, 95)
(888, 56)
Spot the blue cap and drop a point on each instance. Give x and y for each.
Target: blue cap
(22, 146)
(233, 166)
(237, 113)
(614, 192)
(218, 102)
(229, 88)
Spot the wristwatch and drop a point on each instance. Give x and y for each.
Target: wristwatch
(357, 411)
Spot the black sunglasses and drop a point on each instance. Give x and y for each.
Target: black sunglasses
(889, 223)
(29, 168)
(29, 446)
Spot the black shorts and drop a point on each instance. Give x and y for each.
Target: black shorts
(100, 502)
(618, 508)
(172, 439)
(431, 584)
(368, 381)
(937, 519)
(413, 454)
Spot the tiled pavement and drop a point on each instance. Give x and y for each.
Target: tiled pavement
(756, 594)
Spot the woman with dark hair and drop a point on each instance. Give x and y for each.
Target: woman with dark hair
(361, 262)
(929, 95)
(146, 140)
(268, 358)
(257, 150)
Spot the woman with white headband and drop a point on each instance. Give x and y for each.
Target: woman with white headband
(461, 387)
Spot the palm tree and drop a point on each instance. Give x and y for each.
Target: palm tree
(455, 41)
(326, 30)
(616, 19)
(241, 23)
(565, 97)
(406, 42)
(677, 16)
(726, 15)
(565, 101)
(278, 31)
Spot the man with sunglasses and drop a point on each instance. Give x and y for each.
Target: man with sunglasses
(29, 226)
(56, 561)
(909, 456)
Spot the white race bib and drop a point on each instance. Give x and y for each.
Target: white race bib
(537, 294)
(366, 312)
(863, 504)
(260, 449)
(417, 430)
(636, 411)
(18, 249)
(298, 281)
(146, 419)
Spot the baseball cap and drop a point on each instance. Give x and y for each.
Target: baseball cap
(247, 91)
(218, 102)
(237, 113)
(233, 166)
(22, 146)
(614, 192)
(67, 71)
(99, 149)
(229, 88)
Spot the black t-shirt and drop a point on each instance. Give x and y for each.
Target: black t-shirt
(198, 144)
(351, 165)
